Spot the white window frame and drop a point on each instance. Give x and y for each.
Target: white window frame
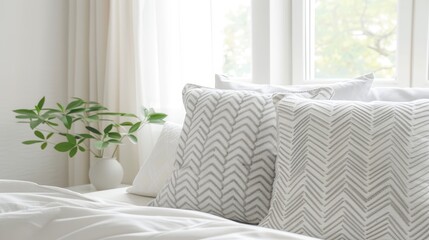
(420, 60)
(271, 42)
(260, 41)
(279, 45)
(301, 28)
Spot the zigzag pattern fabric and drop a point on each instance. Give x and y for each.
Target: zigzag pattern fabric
(352, 170)
(226, 154)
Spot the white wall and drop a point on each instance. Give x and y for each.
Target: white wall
(33, 63)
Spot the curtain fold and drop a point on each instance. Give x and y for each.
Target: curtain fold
(175, 48)
(128, 53)
(78, 76)
(175, 38)
(103, 66)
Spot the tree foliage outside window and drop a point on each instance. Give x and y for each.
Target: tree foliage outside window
(354, 37)
(237, 58)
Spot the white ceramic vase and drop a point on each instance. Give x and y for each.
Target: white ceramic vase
(106, 173)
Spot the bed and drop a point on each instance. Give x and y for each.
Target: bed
(32, 211)
(343, 170)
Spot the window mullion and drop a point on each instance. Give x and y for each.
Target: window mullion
(261, 41)
(420, 75)
(403, 62)
(309, 12)
(299, 43)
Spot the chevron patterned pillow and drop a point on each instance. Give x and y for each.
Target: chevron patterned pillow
(352, 170)
(225, 158)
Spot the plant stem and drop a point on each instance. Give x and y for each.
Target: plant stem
(89, 148)
(116, 148)
(56, 130)
(46, 131)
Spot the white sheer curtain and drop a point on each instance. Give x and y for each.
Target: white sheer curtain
(103, 66)
(128, 53)
(175, 40)
(175, 49)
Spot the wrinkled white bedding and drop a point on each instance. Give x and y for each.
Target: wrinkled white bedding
(31, 211)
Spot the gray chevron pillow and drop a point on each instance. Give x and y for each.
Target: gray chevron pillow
(225, 159)
(352, 170)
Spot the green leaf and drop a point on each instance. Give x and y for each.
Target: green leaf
(96, 108)
(44, 145)
(156, 116)
(92, 118)
(126, 124)
(98, 144)
(108, 128)
(39, 134)
(110, 114)
(82, 149)
(37, 109)
(25, 117)
(145, 111)
(93, 130)
(132, 138)
(106, 120)
(157, 121)
(41, 103)
(85, 135)
(49, 136)
(52, 123)
(50, 114)
(73, 152)
(114, 141)
(117, 114)
(67, 121)
(77, 110)
(25, 112)
(52, 110)
(35, 123)
(93, 103)
(114, 135)
(60, 107)
(31, 142)
(76, 119)
(63, 147)
(101, 144)
(135, 127)
(74, 104)
(71, 139)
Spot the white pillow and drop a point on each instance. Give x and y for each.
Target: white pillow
(395, 94)
(155, 172)
(353, 89)
(351, 170)
(225, 160)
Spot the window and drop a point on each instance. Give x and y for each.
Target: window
(343, 39)
(232, 35)
(349, 38)
(315, 41)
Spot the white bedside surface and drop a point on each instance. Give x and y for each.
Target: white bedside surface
(87, 188)
(120, 195)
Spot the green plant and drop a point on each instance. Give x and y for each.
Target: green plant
(80, 121)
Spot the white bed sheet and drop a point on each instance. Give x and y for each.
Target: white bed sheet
(31, 211)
